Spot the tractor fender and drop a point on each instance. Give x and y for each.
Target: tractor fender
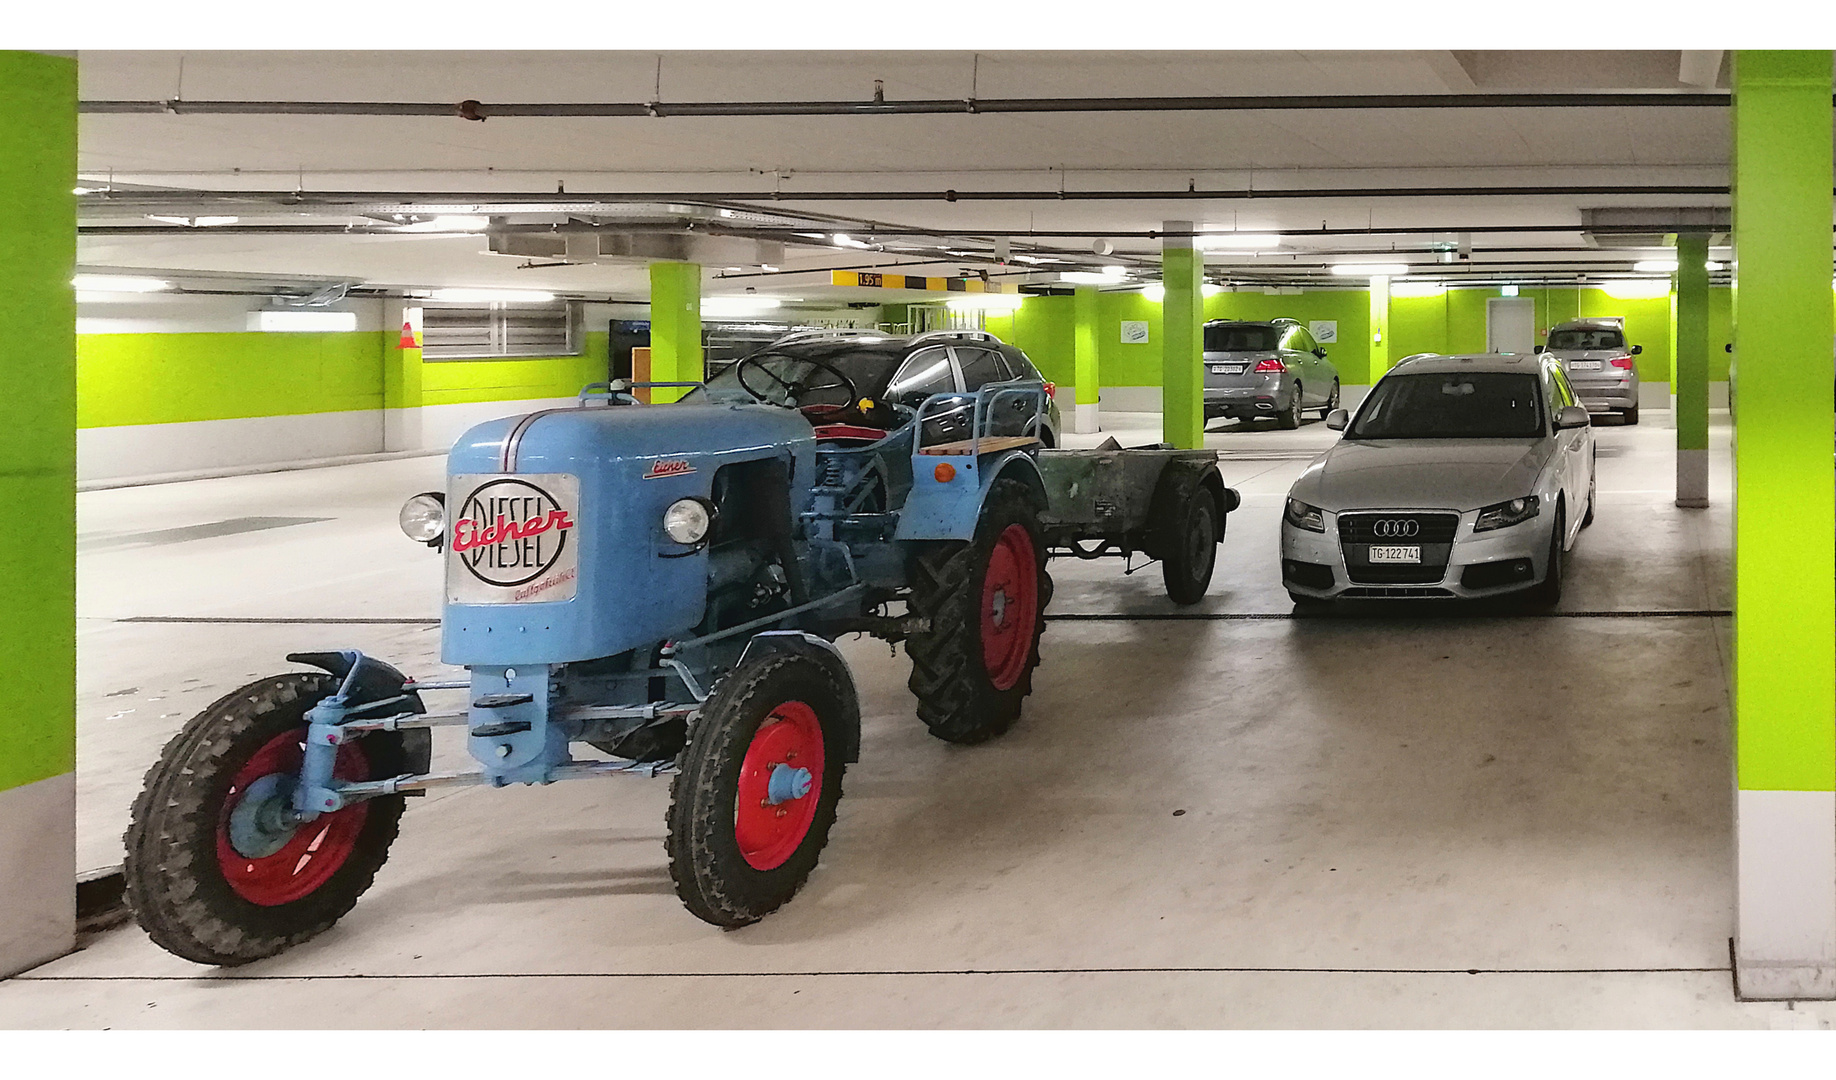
(825, 653)
(949, 509)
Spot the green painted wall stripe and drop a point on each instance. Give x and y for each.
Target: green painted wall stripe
(675, 326)
(38, 142)
(127, 379)
(1182, 398)
(1084, 348)
(1785, 539)
(1691, 344)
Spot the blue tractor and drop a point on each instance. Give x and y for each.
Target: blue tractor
(664, 584)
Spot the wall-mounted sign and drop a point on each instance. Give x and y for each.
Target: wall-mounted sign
(1134, 333)
(1325, 332)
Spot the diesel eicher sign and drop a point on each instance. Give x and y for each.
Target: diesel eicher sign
(512, 539)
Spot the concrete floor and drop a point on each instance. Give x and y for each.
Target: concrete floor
(1403, 817)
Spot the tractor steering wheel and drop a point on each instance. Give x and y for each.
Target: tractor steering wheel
(792, 390)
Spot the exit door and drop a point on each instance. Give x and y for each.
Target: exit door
(1510, 325)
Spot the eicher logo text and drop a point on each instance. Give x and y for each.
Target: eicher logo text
(666, 467)
(510, 532)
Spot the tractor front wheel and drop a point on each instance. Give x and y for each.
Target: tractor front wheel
(215, 870)
(985, 600)
(751, 808)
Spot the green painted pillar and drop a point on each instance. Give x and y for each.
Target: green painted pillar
(675, 327)
(38, 135)
(1182, 313)
(1785, 542)
(1380, 327)
(1084, 358)
(1689, 333)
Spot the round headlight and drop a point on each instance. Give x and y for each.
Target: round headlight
(423, 517)
(687, 520)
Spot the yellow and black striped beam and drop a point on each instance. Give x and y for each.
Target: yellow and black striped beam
(863, 279)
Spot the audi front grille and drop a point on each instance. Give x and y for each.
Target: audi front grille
(1432, 532)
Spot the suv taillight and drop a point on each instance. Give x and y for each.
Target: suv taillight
(1621, 362)
(1270, 365)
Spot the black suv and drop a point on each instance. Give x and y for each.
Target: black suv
(829, 374)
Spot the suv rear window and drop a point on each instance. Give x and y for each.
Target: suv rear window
(1241, 339)
(1580, 339)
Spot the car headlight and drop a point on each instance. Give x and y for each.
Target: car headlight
(1501, 515)
(687, 521)
(423, 518)
(1302, 516)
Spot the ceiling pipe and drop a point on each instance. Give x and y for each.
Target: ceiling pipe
(479, 111)
(473, 202)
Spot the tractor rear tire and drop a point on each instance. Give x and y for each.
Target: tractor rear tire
(735, 856)
(973, 669)
(196, 896)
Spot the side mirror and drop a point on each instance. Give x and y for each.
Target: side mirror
(1571, 416)
(1636, 349)
(1539, 348)
(1337, 419)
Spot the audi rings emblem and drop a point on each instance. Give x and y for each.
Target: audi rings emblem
(1395, 528)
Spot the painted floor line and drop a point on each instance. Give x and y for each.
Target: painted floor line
(915, 972)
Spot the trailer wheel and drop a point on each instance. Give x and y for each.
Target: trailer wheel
(1193, 554)
(213, 879)
(985, 600)
(751, 809)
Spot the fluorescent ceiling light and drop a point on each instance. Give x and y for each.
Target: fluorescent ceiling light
(844, 240)
(739, 305)
(768, 268)
(986, 302)
(1636, 288)
(1668, 266)
(1109, 275)
(80, 190)
(1237, 242)
(1032, 259)
(193, 222)
(108, 283)
(449, 223)
(1370, 269)
(491, 296)
(303, 322)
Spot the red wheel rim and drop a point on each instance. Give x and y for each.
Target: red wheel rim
(1010, 606)
(769, 833)
(316, 850)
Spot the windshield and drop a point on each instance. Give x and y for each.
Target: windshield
(1451, 405)
(775, 375)
(1578, 340)
(1241, 339)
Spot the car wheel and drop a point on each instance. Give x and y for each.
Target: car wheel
(1332, 400)
(1549, 593)
(1289, 418)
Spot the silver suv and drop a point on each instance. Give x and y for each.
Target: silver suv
(1594, 356)
(1266, 371)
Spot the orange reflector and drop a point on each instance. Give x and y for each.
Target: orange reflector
(945, 472)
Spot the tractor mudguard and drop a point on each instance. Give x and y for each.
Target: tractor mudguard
(949, 509)
(825, 653)
(376, 681)
(1180, 481)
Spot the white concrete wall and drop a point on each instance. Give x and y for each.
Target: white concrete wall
(38, 889)
(110, 453)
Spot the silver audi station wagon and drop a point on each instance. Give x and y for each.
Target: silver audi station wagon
(1459, 476)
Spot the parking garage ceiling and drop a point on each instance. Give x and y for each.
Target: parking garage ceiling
(1481, 164)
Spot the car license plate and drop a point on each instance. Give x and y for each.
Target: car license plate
(1230, 369)
(1584, 365)
(1410, 554)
